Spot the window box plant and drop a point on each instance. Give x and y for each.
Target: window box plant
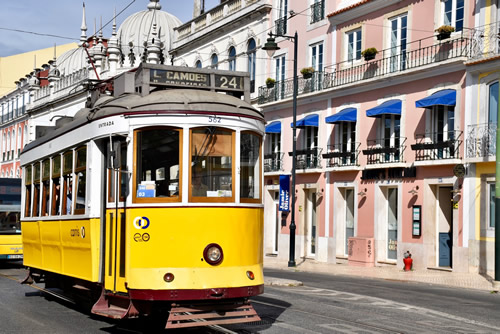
(369, 53)
(270, 82)
(444, 32)
(307, 72)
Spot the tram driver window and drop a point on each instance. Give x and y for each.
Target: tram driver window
(158, 157)
(211, 164)
(250, 167)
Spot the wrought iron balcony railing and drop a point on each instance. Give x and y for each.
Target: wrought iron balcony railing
(317, 11)
(485, 41)
(437, 145)
(280, 26)
(481, 140)
(425, 52)
(273, 162)
(342, 155)
(308, 158)
(385, 150)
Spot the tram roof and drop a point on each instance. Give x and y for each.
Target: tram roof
(162, 101)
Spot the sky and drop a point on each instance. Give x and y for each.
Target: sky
(63, 18)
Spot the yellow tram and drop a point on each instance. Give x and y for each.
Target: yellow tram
(151, 198)
(11, 247)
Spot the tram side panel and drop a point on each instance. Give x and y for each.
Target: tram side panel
(66, 247)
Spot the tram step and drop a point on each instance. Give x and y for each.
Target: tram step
(195, 316)
(115, 308)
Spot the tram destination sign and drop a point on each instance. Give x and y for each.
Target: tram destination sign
(196, 79)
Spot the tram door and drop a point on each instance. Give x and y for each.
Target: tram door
(116, 193)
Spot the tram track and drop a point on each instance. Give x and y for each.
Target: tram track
(330, 318)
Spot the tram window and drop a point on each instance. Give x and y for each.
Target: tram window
(122, 177)
(67, 197)
(56, 186)
(36, 190)
(80, 172)
(212, 164)
(28, 183)
(157, 160)
(45, 187)
(249, 166)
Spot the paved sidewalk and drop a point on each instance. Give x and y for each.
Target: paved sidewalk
(453, 279)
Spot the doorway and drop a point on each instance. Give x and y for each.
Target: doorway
(311, 222)
(445, 226)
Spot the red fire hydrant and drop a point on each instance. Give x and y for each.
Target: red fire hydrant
(408, 261)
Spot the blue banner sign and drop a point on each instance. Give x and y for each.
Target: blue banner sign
(284, 204)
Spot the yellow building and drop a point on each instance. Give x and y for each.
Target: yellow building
(14, 67)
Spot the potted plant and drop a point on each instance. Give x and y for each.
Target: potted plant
(369, 53)
(444, 32)
(270, 82)
(307, 72)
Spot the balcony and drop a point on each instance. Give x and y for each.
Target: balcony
(437, 145)
(424, 52)
(308, 158)
(317, 11)
(273, 162)
(485, 42)
(384, 151)
(481, 140)
(341, 155)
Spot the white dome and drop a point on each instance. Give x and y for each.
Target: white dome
(72, 61)
(138, 28)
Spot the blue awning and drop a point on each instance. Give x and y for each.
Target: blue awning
(345, 115)
(445, 97)
(310, 120)
(274, 127)
(391, 107)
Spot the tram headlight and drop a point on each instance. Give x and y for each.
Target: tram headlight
(213, 254)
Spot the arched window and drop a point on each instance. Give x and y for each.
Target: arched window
(232, 58)
(198, 64)
(493, 103)
(215, 61)
(251, 52)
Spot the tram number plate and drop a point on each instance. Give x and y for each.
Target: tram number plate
(214, 119)
(18, 256)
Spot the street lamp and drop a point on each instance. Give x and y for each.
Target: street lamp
(271, 48)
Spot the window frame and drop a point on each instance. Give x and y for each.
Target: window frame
(454, 11)
(202, 199)
(176, 199)
(261, 141)
(65, 185)
(55, 175)
(76, 179)
(356, 54)
(28, 184)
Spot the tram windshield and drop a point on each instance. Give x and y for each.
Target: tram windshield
(211, 162)
(10, 206)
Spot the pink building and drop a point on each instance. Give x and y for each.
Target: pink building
(379, 140)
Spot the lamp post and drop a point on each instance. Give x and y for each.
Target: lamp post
(271, 48)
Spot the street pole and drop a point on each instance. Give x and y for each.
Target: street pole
(496, 283)
(291, 260)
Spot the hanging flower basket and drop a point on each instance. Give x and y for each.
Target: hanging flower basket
(444, 32)
(369, 53)
(307, 72)
(270, 82)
